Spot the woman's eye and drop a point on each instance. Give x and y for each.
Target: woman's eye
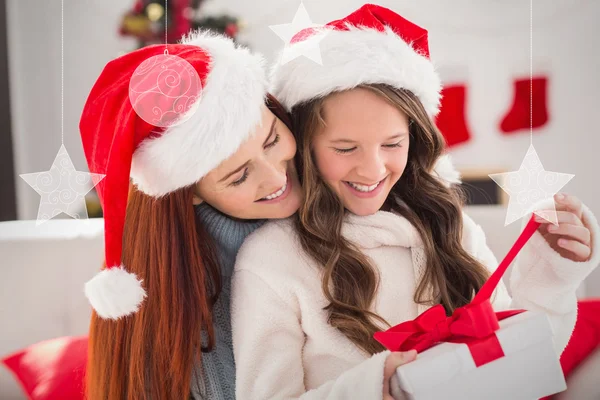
(242, 179)
(273, 143)
(392, 146)
(345, 151)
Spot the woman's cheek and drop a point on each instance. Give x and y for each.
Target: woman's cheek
(288, 143)
(235, 201)
(291, 148)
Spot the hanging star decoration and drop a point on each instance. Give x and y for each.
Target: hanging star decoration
(62, 189)
(287, 32)
(530, 185)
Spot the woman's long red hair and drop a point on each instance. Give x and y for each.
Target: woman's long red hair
(151, 354)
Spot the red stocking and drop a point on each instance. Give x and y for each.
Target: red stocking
(585, 338)
(518, 116)
(451, 120)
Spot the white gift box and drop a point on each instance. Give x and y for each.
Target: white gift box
(529, 370)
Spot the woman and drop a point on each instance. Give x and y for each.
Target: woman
(161, 326)
(378, 238)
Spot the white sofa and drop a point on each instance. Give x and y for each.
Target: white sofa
(42, 271)
(44, 268)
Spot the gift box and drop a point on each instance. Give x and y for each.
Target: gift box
(477, 353)
(529, 369)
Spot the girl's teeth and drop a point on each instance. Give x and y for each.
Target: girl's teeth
(363, 188)
(277, 193)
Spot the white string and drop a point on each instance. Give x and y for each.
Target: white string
(558, 16)
(531, 71)
(166, 23)
(62, 74)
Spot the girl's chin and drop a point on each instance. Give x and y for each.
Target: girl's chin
(365, 207)
(363, 211)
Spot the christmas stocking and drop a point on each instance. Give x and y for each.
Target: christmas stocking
(451, 120)
(518, 117)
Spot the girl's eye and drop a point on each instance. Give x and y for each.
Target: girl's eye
(242, 179)
(273, 143)
(345, 151)
(392, 146)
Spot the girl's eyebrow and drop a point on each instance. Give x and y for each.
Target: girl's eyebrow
(396, 136)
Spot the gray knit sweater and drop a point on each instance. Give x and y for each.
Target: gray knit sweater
(215, 380)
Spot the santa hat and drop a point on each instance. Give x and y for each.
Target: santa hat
(120, 144)
(371, 45)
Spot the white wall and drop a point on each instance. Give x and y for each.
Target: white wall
(34, 46)
(488, 39)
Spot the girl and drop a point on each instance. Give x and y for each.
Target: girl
(379, 238)
(201, 186)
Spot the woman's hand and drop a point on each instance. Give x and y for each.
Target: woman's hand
(571, 238)
(393, 361)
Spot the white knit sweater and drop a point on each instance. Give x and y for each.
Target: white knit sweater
(285, 349)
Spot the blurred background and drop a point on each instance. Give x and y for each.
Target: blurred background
(482, 49)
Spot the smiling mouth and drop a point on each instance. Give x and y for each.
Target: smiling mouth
(365, 188)
(278, 193)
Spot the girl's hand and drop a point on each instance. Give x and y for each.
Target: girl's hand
(571, 238)
(393, 361)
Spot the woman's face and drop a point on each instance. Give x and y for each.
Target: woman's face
(259, 180)
(363, 149)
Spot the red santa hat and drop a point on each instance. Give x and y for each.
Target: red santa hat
(120, 144)
(371, 45)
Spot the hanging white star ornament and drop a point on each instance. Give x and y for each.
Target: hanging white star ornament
(530, 185)
(62, 189)
(286, 32)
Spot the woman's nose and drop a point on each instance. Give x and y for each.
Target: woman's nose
(275, 175)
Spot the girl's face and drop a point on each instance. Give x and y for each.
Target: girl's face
(259, 180)
(363, 149)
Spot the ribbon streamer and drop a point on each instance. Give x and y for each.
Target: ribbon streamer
(474, 324)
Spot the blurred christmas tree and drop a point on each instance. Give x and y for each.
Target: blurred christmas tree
(146, 21)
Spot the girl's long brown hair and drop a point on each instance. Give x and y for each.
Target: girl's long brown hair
(152, 353)
(350, 282)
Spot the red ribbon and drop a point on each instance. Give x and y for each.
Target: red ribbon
(474, 324)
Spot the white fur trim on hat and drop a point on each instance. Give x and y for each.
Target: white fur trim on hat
(444, 169)
(229, 110)
(115, 293)
(355, 57)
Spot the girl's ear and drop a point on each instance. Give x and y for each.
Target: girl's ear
(196, 200)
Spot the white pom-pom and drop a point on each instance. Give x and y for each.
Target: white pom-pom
(445, 170)
(115, 293)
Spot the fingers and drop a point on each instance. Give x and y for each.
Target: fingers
(567, 202)
(395, 390)
(569, 233)
(581, 251)
(574, 232)
(562, 217)
(401, 358)
(396, 359)
(393, 361)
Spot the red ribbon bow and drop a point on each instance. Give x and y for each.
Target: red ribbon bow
(474, 324)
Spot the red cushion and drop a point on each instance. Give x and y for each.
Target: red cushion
(53, 369)
(586, 336)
